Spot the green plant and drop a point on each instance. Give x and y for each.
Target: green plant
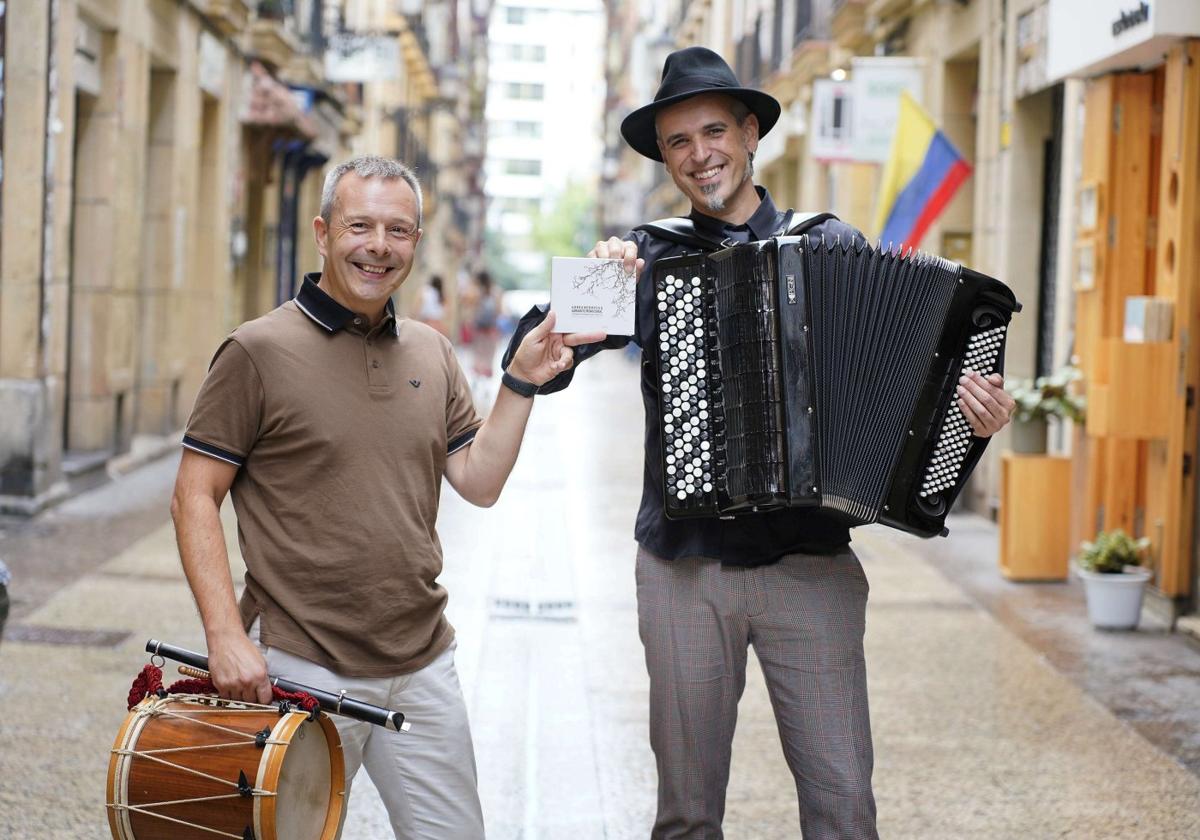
(1111, 552)
(1048, 396)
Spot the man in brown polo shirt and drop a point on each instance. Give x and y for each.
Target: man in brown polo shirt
(333, 422)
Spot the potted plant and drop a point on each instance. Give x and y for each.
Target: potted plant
(1113, 579)
(1040, 399)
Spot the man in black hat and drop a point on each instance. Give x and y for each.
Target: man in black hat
(785, 582)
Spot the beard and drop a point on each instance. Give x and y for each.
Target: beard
(716, 203)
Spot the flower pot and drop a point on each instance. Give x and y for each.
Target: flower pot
(1029, 437)
(1114, 601)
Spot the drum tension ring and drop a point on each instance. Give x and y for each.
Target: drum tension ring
(244, 787)
(260, 738)
(285, 707)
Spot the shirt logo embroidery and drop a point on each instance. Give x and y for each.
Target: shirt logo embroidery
(416, 383)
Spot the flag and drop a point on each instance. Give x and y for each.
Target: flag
(920, 177)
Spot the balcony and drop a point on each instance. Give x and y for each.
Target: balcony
(229, 16)
(849, 27)
(272, 43)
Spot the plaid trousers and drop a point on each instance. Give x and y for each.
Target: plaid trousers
(805, 617)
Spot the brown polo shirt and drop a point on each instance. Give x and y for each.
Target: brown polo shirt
(341, 435)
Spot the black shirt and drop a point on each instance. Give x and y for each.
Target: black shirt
(750, 540)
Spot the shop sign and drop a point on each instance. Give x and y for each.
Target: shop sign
(1031, 50)
(877, 85)
(87, 57)
(211, 66)
(832, 137)
(359, 57)
(1128, 20)
(1091, 37)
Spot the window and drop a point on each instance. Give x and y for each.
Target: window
(515, 128)
(525, 206)
(522, 167)
(525, 52)
(524, 90)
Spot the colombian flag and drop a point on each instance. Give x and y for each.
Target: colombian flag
(919, 179)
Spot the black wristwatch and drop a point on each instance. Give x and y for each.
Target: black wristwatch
(519, 386)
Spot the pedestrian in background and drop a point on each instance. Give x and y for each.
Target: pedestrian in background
(786, 581)
(332, 423)
(433, 305)
(485, 325)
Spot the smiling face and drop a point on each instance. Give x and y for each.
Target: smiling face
(708, 154)
(368, 243)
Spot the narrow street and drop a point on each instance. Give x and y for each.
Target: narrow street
(976, 734)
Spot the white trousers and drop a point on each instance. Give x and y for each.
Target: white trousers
(426, 777)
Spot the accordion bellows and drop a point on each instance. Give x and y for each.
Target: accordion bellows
(799, 372)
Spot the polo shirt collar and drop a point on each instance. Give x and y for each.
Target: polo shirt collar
(316, 303)
(762, 224)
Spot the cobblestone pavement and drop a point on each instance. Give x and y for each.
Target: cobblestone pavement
(976, 734)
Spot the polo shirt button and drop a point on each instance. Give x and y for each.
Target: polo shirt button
(375, 363)
(358, 322)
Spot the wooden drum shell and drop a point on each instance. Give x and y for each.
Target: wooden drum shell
(189, 731)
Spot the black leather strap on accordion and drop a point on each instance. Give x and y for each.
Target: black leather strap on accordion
(683, 231)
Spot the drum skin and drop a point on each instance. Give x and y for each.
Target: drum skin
(298, 774)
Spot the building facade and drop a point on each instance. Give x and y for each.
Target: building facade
(544, 106)
(162, 164)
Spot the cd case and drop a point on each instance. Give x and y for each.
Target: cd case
(589, 294)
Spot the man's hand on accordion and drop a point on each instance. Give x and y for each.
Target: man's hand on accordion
(543, 355)
(619, 249)
(984, 402)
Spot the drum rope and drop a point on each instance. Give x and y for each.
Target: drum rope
(141, 809)
(194, 772)
(249, 736)
(198, 747)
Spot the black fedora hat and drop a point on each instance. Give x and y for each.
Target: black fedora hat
(691, 72)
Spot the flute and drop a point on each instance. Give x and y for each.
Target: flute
(338, 704)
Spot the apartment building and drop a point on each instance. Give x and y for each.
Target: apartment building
(544, 110)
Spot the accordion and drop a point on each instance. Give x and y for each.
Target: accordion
(802, 372)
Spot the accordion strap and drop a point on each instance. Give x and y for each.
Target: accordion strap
(683, 231)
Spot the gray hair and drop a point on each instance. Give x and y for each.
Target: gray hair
(739, 109)
(368, 166)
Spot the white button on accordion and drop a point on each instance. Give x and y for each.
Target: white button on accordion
(803, 372)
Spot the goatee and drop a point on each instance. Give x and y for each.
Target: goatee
(713, 201)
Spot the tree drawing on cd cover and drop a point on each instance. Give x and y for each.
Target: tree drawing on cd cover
(604, 277)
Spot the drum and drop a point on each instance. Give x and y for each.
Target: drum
(191, 766)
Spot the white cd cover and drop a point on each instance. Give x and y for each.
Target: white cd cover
(591, 294)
